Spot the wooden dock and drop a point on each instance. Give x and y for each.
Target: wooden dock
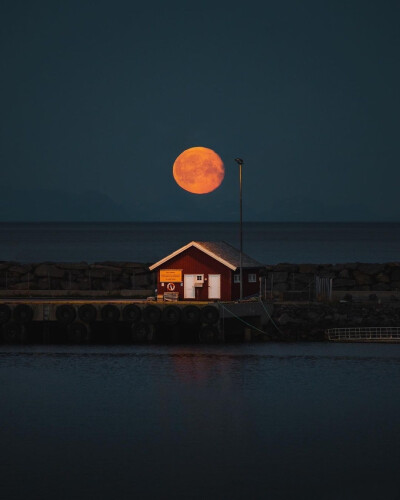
(388, 334)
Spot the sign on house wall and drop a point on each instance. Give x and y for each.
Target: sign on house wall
(171, 275)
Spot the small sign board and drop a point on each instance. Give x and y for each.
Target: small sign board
(171, 275)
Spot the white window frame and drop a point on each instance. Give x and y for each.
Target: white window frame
(236, 278)
(252, 277)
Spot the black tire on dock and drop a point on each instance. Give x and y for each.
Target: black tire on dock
(209, 315)
(140, 332)
(131, 313)
(78, 333)
(23, 313)
(65, 314)
(5, 313)
(191, 315)
(110, 313)
(14, 333)
(87, 313)
(171, 315)
(151, 314)
(208, 334)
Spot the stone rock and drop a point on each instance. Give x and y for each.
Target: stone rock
(312, 315)
(284, 319)
(302, 278)
(338, 283)
(45, 270)
(23, 285)
(66, 285)
(106, 267)
(20, 269)
(73, 266)
(381, 287)
(361, 278)
(382, 278)
(395, 275)
(280, 287)
(285, 267)
(280, 277)
(97, 273)
(336, 268)
(144, 279)
(308, 268)
(371, 268)
(340, 317)
(395, 285)
(351, 266)
(43, 284)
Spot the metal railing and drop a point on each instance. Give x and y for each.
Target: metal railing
(364, 333)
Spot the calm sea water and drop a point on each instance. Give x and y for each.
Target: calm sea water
(276, 421)
(269, 243)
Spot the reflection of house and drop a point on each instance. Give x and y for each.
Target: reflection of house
(207, 270)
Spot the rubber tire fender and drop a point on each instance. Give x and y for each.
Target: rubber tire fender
(87, 313)
(65, 314)
(209, 315)
(151, 314)
(5, 313)
(23, 313)
(110, 313)
(171, 315)
(131, 313)
(191, 315)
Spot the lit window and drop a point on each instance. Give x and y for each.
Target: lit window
(236, 278)
(252, 278)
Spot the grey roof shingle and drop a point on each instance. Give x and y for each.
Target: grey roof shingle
(229, 253)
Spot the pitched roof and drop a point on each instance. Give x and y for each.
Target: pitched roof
(218, 250)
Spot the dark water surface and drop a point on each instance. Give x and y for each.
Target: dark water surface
(269, 243)
(315, 421)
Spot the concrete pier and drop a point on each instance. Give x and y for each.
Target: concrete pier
(82, 320)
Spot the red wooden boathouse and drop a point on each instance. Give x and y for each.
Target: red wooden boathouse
(206, 270)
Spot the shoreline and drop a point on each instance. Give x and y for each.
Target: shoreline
(364, 295)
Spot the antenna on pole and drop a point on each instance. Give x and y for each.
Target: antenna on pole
(239, 161)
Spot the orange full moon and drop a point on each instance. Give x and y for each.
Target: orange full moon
(199, 170)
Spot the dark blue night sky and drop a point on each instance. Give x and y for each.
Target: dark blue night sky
(98, 99)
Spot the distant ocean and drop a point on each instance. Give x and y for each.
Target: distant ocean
(267, 242)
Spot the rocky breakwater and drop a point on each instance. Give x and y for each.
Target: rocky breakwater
(308, 321)
(103, 276)
(351, 276)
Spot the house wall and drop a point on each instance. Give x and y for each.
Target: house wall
(194, 261)
(248, 288)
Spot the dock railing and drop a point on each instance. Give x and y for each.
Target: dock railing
(373, 333)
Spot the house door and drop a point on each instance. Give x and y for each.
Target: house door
(188, 286)
(214, 286)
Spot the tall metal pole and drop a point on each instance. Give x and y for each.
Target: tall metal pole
(240, 163)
